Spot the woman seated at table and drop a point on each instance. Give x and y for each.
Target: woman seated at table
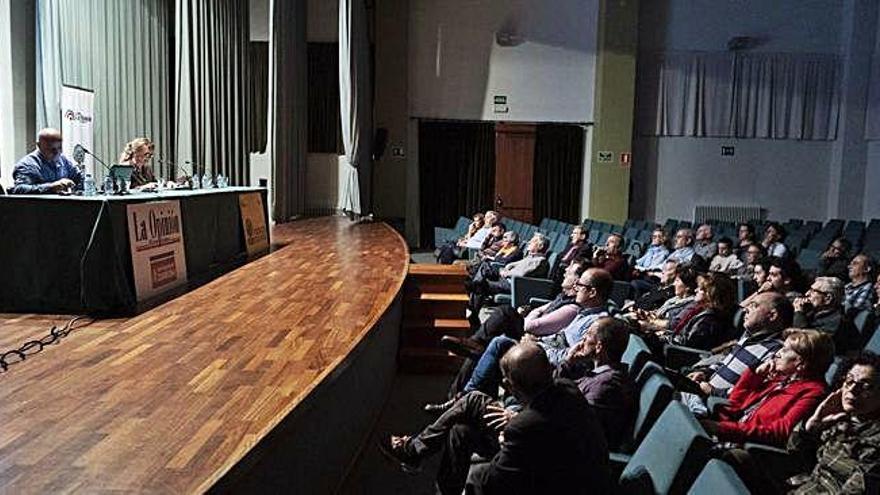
(138, 153)
(766, 404)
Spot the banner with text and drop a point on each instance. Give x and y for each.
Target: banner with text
(78, 123)
(155, 232)
(253, 221)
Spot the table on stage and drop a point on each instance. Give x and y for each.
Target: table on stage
(71, 254)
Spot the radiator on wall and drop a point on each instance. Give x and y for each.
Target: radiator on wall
(733, 214)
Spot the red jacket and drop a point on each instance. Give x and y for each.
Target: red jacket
(774, 419)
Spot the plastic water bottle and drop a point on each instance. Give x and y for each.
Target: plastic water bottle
(89, 188)
(197, 181)
(221, 181)
(206, 181)
(108, 185)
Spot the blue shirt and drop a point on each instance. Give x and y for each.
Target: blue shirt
(682, 255)
(33, 173)
(653, 259)
(556, 345)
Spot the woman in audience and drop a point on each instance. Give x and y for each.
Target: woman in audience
(705, 324)
(767, 403)
(453, 250)
(666, 316)
(489, 265)
(138, 153)
(774, 234)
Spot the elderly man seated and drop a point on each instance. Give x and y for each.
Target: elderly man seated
(45, 170)
(533, 265)
(703, 245)
(859, 292)
(550, 442)
(822, 309)
(610, 258)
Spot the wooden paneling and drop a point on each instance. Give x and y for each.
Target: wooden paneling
(514, 169)
(169, 401)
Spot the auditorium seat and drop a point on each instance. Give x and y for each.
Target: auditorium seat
(442, 235)
(635, 356)
(873, 344)
(718, 478)
(670, 457)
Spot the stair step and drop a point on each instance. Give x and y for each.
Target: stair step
(442, 296)
(439, 323)
(428, 361)
(427, 269)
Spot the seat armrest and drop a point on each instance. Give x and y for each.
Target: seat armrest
(679, 356)
(538, 301)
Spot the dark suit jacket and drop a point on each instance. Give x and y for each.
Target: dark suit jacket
(554, 445)
(611, 393)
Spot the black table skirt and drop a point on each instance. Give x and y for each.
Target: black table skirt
(71, 255)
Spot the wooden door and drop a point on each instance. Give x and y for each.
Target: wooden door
(514, 167)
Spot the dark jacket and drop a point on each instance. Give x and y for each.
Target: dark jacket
(833, 322)
(704, 330)
(611, 393)
(554, 445)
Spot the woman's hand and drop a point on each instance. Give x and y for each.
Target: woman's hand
(829, 412)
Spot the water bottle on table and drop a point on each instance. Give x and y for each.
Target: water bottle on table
(108, 185)
(89, 187)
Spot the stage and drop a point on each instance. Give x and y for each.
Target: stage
(267, 378)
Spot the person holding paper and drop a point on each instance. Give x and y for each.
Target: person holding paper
(45, 170)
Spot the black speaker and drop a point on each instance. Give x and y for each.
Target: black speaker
(380, 141)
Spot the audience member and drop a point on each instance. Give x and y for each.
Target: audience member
(726, 260)
(578, 247)
(492, 243)
(553, 444)
(859, 292)
(834, 260)
(703, 245)
(706, 323)
(652, 261)
(822, 309)
(774, 234)
(453, 250)
(661, 293)
(766, 316)
(752, 254)
(610, 258)
(745, 237)
(665, 317)
(683, 250)
(533, 265)
(766, 404)
(478, 239)
(45, 170)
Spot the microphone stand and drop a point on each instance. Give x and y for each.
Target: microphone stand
(122, 187)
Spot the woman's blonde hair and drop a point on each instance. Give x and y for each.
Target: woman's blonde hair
(815, 348)
(131, 148)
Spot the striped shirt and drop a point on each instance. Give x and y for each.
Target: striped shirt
(749, 352)
(858, 297)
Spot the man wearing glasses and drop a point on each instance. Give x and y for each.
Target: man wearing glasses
(822, 309)
(45, 170)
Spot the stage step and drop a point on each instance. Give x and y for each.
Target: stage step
(435, 303)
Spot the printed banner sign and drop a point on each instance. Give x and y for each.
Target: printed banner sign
(155, 232)
(256, 235)
(78, 123)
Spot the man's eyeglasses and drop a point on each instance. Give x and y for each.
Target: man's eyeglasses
(859, 385)
(817, 291)
(580, 286)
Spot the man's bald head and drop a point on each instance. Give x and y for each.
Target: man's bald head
(49, 142)
(526, 368)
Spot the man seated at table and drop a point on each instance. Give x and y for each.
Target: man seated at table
(45, 170)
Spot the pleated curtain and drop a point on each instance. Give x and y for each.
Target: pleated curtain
(355, 104)
(559, 157)
(118, 49)
(288, 107)
(739, 95)
(212, 75)
(872, 115)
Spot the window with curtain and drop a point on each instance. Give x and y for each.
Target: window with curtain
(325, 127)
(121, 51)
(559, 161)
(740, 95)
(456, 172)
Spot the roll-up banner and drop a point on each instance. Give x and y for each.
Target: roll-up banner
(78, 123)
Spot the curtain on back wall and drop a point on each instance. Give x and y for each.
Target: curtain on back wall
(456, 172)
(212, 77)
(559, 163)
(121, 51)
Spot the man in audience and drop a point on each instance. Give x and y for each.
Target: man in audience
(859, 292)
(476, 241)
(752, 254)
(834, 260)
(593, 290)
(606, 385)
(766, 316)
(683, 251)
(725, 261)
(783, 276)
(822, 309)
(660, 293)
(45, 170)
(610, 258)
(578, 247)
(655, 255)
(553, 444)
(745, 235)
(774, 234)
(703, 244)
(533, 265)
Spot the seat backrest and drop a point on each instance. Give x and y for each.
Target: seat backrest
(461, 225)
(671, 456)
(873, 345)
(619, 292)
(635, 356)
(718, 478)
(655, 392)
(861, 321)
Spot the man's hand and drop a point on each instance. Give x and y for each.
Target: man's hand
(706, 388)
(61, 185)
(829, 412)
(765, 287)
(799, 303)
(498, 416)
(527, 337)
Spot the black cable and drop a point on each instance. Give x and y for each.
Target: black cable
(32, 347)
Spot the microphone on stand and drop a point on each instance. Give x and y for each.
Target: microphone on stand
(81, 148)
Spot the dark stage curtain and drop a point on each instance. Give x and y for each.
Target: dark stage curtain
(325, 128)
(456, 172)
(559, 157)
(259, 95)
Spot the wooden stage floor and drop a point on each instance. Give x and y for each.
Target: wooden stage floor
(170, 400)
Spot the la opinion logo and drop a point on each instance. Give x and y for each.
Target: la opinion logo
(77, 117)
